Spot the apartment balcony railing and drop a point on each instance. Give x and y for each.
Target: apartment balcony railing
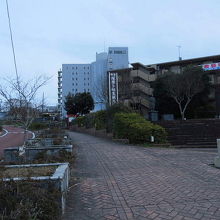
(143, 75)
(143, 88)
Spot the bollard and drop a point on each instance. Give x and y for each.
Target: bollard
(218, 146)
(152, 139)
(217, 159)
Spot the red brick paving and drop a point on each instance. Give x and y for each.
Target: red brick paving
(125, 182)
(12, 139)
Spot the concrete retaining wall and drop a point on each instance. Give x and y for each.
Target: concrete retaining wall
(47, 141)
(12, 154)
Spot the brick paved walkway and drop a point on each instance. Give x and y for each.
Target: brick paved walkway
(14, 138)
(117, 181)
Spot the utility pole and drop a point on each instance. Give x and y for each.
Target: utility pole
(179, 47)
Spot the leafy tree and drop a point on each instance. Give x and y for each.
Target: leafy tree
(174, 92)
(164, 103)
(70, 105)
(81, 103)
(84, 102)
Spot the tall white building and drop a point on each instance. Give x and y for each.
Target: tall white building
(117, 58)
(78, 78)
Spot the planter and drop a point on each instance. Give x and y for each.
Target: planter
(30, 152)
(56, 174)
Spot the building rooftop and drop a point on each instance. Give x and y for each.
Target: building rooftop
(189, 61)
(177, 62)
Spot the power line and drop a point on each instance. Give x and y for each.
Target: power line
(12, 43)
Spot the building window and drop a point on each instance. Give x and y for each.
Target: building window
(76, 67)
(73, 73)
(76, 90)
(73, 68)
(76, 73)
(88, 67)
(88, 84)
(67, 67)
(84, 84)
(88, 78)
(88, 72)
(76, 84)
(76, 79)
(84, 78)
(73, 84)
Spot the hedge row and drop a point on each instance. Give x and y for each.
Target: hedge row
(101, 119)
(124, 124)
(134, 127)
(93, 120)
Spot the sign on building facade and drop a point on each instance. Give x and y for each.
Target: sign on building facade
(113, 88)
(211, 66)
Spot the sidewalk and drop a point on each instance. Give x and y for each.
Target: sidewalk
(119, 181)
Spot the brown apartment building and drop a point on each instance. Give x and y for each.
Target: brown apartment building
(134, 84)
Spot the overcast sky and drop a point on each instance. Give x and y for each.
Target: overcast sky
(48, 33)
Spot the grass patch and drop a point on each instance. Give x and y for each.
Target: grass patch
(11, 172)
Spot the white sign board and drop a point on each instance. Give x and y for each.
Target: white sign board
(113, 88)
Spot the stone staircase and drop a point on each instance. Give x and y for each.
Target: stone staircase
(193, 132)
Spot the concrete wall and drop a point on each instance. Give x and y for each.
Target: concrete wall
(47, 141)
(12, 154)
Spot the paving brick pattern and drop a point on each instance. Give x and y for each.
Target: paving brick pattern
(117, 181)
(14, 138)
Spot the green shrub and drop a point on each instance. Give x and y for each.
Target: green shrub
(38, 126)
(122, 123)
(100, 119)
(80, 121)
(140, 132)
(111, 111)
(160, 134)
(89, 120)
(134, 127)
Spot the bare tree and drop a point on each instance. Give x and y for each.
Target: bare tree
(184, 86)
(20, 96)
(101, 92)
